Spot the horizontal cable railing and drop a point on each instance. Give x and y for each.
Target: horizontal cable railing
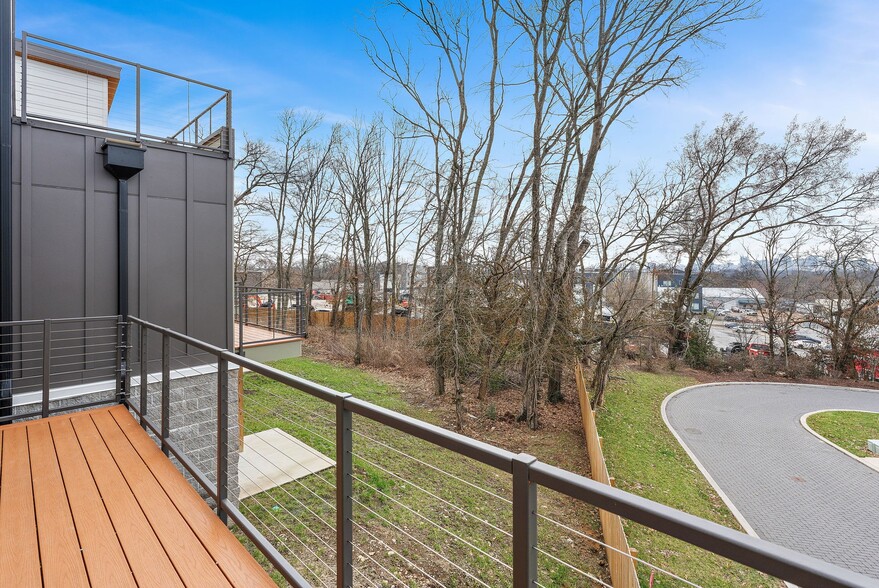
(62, 83)
(44, 362)
(392, 509)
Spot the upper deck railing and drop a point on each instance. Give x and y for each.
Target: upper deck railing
(63, 83)
(277, 312)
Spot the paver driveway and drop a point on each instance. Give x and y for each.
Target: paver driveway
(791, 487)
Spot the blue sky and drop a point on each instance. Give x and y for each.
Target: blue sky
(803, 58)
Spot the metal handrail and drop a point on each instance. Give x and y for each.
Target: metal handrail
(225, 146)
(45, 358)
(528, 475)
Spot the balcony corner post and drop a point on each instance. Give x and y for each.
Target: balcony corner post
(524, 523)
(222, 436)
(344, 468)
(144, 378)
(166, 393)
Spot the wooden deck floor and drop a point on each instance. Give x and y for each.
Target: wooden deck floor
(254, 335)
(88, 499)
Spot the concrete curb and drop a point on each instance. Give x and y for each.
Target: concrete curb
(726, 500)
(806, 426)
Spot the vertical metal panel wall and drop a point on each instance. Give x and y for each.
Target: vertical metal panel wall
(64, 238)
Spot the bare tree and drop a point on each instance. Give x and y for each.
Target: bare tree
(284, 172)
(358, 166)
(399, 189)
(781, 283)
(849, 303)
(577, 66)
(315, 196)
(461, 141)
(253, 168)
(619, 52)
(626, 228)
(731, 185)
(249, 243)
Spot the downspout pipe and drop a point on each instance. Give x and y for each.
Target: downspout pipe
(7, 38)
(124, 160)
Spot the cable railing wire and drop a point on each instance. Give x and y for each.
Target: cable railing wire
(297, 519)
(431, 494)
(284, 543)
(433, 523)
(583, 573)
(421, 543)
(319, 497)
(433, 467)
(620, 551)
(396, 552)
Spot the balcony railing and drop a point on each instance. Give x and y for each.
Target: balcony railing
(62, 83)
(277, 313)
(67, 357)
(523, 476)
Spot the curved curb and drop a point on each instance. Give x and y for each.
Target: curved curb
(726, 499)
(806, 426)
(746, 526)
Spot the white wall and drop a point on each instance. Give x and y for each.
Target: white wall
(62, 93)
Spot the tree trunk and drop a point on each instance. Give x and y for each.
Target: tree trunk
(554, 387)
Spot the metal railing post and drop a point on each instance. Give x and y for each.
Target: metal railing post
(144, 379)
(166, 392)
(304, 312)
(47, 364)
(137, 103)
(222, 436)
(270, 324)
(230, 147)
(344, 468)
(23, 113)
(120, 376)
(524, 523)
(242, 317)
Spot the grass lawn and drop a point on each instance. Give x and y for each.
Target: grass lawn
(420, 512)
(847, 428)
(647, 460)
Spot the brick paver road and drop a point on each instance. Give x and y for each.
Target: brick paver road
(792, 488)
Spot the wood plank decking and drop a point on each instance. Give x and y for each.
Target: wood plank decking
(254, 336)
(88, 499)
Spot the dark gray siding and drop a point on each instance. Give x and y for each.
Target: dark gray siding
(65, 238)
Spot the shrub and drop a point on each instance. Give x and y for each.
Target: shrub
(700, 347)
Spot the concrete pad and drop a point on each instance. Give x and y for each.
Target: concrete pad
(873, 462)
(272, 458)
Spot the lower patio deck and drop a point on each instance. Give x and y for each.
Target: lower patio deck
(88, 499)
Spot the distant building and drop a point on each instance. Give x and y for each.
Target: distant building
(669, 281)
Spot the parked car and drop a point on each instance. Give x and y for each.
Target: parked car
(735, 348)
(745, 330)
(758, 349)
(730, 325)
(804, 342)
(320, 305)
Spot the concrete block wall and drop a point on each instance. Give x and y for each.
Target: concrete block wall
(193, 422)
(73, 403)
